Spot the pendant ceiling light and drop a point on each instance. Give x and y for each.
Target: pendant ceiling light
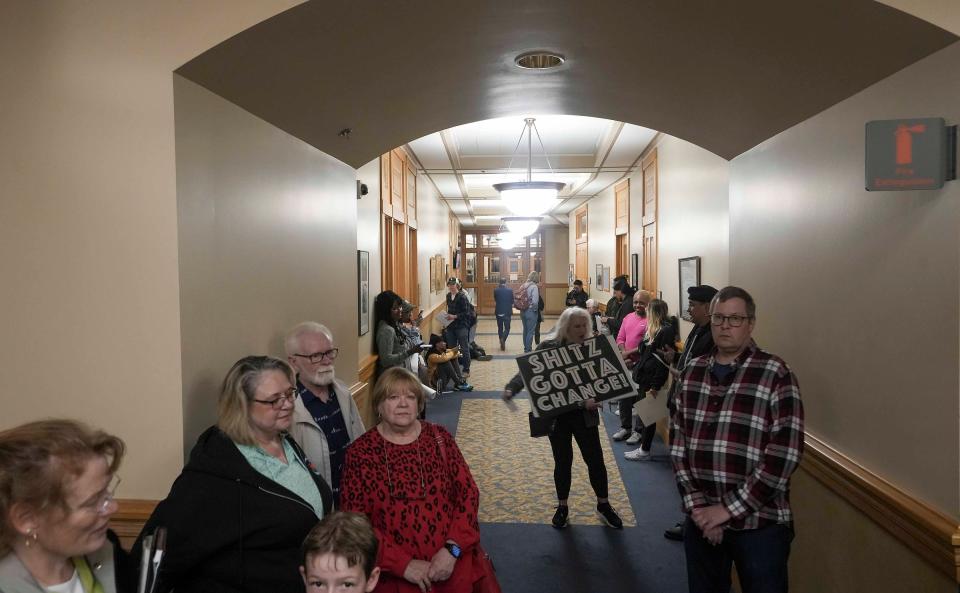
(529, 198)
(508, 240)
(521, 226)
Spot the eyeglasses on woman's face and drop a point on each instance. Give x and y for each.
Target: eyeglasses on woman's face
(288, 397)
(100, 504)
(318, 357)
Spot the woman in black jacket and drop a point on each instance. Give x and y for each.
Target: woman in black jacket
(651, 371)
(573, 327)
(247, 497)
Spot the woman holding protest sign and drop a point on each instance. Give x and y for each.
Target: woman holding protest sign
(581, 424)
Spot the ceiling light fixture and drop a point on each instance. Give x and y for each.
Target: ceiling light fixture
(539, 60)
(529, 198)
(521, 226)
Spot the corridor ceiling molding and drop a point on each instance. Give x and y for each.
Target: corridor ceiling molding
(725, 76)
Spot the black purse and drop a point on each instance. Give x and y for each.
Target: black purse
(540, 426)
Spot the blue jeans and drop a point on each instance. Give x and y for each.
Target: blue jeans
(460, 336)
(760, 556)
(529, 319)
(503, 327)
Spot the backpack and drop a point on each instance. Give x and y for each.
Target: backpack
(521, 298)
(471, 314)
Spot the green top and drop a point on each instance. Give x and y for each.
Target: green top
(294, 476)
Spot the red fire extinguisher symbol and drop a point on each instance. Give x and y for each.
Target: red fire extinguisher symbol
(904, 136)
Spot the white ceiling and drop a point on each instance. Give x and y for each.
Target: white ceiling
(586, 153)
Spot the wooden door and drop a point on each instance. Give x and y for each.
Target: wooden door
(580, 266)
(489, 280)
(650, 258)
(650, 188)
(400, 260)
(622, 201)
(413, 286)
(410, 194)
(385, 194)
(623, 256)
(397, 186)
(386, 243)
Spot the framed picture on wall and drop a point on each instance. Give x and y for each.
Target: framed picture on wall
(689, 276)
(606, 278)
(599, 283)
(363, 279)
(570, 277)
(635, 269)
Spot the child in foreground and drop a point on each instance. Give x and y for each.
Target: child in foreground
(340, 554)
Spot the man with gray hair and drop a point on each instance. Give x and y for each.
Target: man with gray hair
(325, 417)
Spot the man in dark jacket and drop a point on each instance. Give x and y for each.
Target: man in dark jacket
(699, 342)
(611, 315)
(577, 297)
(503, 299)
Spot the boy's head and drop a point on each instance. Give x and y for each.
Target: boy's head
(340, 550)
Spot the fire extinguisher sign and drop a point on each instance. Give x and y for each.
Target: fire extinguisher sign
(907, 154)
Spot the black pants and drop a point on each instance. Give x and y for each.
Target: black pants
(569, 426)
(448, 371)
(625, 406)
(760, 556)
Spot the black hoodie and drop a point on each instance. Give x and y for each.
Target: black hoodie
(229, 528)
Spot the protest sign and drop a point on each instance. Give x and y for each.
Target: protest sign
(558, 379)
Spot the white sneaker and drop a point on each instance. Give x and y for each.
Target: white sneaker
(635, 438)
(621, 434)
(637, 454)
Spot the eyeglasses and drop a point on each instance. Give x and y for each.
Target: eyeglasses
(288, 397)
(732, 320)
(319, 356)
(101, 504)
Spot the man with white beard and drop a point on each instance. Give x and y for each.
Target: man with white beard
(322, 425)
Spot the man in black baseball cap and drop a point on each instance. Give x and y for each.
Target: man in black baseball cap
(699, 342)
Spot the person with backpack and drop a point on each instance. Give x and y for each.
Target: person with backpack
(461, 320)
(527, 300)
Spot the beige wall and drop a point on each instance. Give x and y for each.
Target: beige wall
(858, 291)
(267, 238)
(88, 223)
(838, 549)
(368, 239)
(600, 226)
(433, 238)
(556, 250)
(692, 217)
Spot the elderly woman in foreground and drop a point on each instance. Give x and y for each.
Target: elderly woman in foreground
(582, 424)
(57, 481)
(409, 477)
(247, 497)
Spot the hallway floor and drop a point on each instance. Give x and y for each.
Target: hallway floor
(517, 496)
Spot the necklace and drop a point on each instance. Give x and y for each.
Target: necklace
(390, 484)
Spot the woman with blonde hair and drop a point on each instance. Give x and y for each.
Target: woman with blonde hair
(57, 483)
(573, 327)
(652, 371)
(247, 497)
(410, 478)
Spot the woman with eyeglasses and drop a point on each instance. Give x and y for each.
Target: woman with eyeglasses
(247, 497)
(57, 481)
(410, 478)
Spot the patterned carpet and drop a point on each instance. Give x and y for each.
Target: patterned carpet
(517, 496)
(515, 472)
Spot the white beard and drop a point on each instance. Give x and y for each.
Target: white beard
(323, 376)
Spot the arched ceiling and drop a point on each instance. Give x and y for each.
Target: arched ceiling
(723, 75)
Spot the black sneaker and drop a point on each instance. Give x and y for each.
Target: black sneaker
(560, 517)
(609, 516)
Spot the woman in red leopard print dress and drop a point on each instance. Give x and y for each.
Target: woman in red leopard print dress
(410, 478)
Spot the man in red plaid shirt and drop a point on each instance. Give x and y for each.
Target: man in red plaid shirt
(736, 437)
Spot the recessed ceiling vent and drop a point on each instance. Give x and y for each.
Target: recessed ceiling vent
(539, 60)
